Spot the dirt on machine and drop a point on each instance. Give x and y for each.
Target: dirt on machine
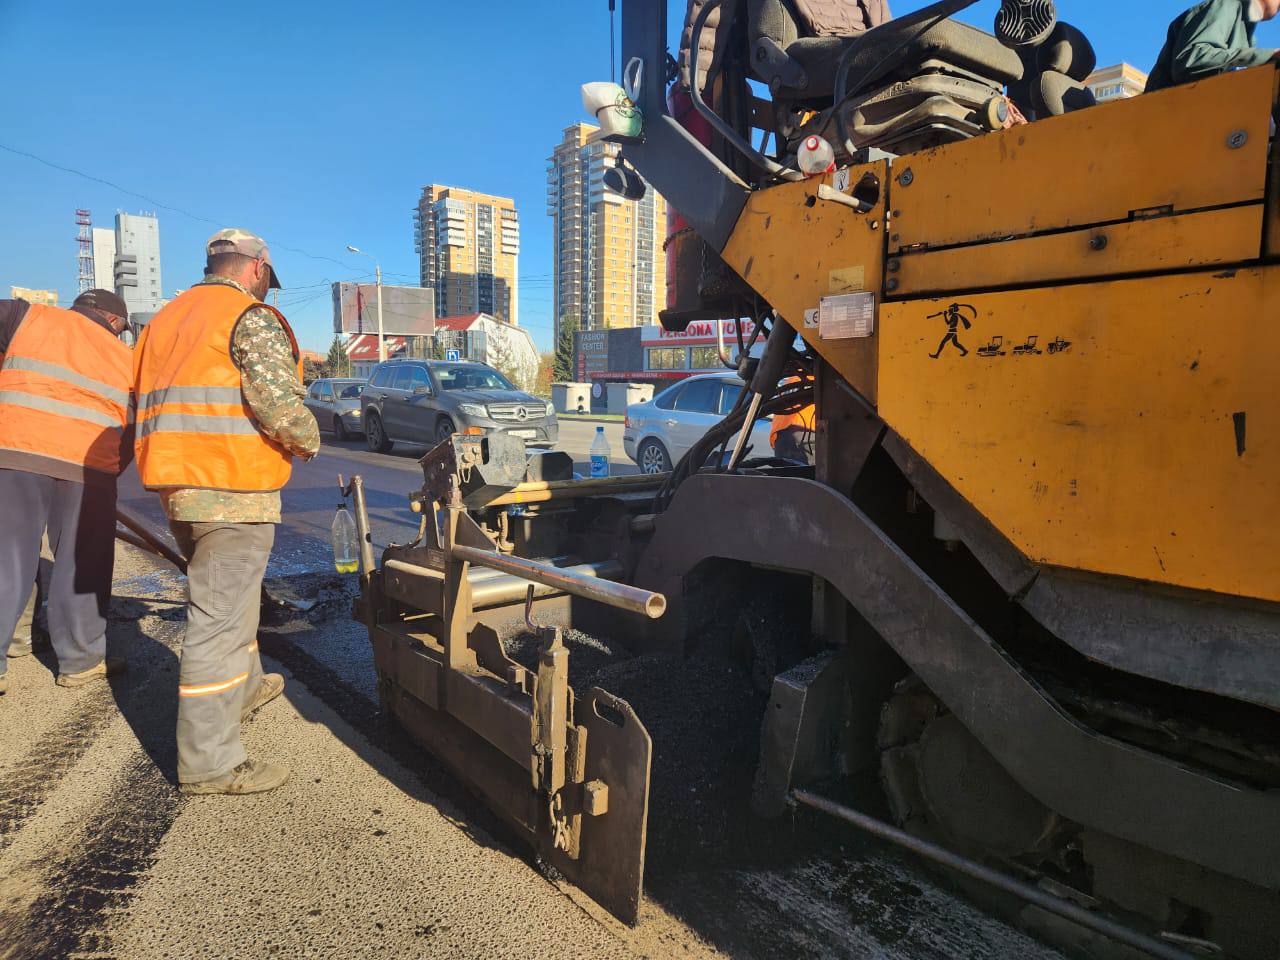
(1019, 614)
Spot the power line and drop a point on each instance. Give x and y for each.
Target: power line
(156, 203)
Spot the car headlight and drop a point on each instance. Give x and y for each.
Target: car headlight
(354, 413)
(473, 409)
(551, 409)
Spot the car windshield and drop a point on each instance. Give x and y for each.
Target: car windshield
(349, 391)
(471, 378)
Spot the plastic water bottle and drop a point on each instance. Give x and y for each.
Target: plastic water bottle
(815, 157)
(599, 455)
(345, 540)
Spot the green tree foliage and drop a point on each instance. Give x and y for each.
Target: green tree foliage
(337, 363)
(565, 368)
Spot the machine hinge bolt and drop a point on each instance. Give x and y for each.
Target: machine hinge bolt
(1098, 243)
(895, 266)
(1237, 139)
(906, 178)
(891, 283)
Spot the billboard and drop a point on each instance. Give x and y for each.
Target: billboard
(406, 311)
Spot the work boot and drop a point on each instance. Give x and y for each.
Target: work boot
(272, 686)
(109, 667)
(252, 776)
(19, 648)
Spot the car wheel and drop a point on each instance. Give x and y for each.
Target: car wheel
(340, 429)
(653, 457)
(445, 429)
(375, 436)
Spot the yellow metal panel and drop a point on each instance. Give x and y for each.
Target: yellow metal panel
(1138, 434)
(1233, 235)
(795, 249)
(1163, 149)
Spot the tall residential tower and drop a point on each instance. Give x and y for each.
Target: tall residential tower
(468, 248)
(610, 270)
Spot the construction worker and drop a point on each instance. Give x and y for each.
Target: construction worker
(1211, 38)
(66, 433)
(220, 419)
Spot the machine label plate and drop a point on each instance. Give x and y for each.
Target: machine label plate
(848, 316)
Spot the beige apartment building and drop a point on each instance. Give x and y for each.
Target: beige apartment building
(47, 298)
(609, 267)
(468, 246)
(1116, 83)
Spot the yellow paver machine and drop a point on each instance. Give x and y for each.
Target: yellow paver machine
(1037, 538)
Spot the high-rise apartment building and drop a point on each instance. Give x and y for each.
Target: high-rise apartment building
(1116, 83)
(468, 248)
(137, 262)
(103, 245)
(610, 270)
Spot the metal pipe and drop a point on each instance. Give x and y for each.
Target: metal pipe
(155, 542)
(503, 588)
(480, 574)
(362, 527)
(543, 490)
(970, 868)
(747, 424)
(620, 595)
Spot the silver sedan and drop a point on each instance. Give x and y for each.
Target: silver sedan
(657, 433)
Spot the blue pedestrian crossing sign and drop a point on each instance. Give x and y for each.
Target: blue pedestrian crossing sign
(453, 355)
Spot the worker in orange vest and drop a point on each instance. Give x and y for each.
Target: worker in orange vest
(792, 435)
(220, 419)
(66, 433)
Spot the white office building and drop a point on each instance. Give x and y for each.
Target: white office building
(104, 258)
(137, 262)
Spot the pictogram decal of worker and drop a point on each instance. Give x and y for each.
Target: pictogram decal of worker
(954, 316)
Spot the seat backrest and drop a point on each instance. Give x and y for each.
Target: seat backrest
(713, 44)
(840, 18)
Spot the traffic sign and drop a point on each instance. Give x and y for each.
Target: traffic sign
(453, 355)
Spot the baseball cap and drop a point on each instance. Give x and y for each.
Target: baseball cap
(235, 240)
(105, 301)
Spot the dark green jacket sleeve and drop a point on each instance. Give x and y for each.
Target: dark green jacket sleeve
(1213, 40)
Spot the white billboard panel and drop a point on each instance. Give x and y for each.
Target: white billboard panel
(406, 311)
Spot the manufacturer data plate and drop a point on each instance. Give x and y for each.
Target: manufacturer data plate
(847, 316)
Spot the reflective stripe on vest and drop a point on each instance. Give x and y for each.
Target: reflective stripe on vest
(194, 428)
(65, 390)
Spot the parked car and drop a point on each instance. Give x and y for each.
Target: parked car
(336, 405)
(426, 401)
(658, 432)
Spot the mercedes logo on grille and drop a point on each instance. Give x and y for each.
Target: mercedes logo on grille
(522, 413)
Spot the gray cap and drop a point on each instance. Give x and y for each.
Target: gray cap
(235, 240)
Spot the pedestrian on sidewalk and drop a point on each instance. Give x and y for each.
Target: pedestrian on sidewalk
(220, 419)
(66, 433)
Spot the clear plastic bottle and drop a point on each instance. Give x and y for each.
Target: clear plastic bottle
(345, 540)
(815, 157)
(599, 455)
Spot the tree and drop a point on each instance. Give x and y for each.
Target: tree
(337, 364)
(565, 368)
(542, 383)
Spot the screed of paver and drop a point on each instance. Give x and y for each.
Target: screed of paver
(348, 858)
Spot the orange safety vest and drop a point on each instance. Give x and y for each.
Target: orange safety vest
(194, 428)
(65, 388)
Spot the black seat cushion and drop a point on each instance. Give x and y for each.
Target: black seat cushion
(1068, 51)
(1056, 94)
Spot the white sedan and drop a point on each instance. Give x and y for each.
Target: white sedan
(657, 433)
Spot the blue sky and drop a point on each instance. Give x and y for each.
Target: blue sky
(316, 124)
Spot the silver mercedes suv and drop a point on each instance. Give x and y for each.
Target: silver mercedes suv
(426, 401)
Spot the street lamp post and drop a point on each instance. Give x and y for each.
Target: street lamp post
(377, 272)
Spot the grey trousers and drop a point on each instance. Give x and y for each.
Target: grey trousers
(80, 519)
(26, 619)
(221, 669)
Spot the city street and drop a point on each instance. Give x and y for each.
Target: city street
(302, 540)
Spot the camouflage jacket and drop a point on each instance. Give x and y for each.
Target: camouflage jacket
(270, 386)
